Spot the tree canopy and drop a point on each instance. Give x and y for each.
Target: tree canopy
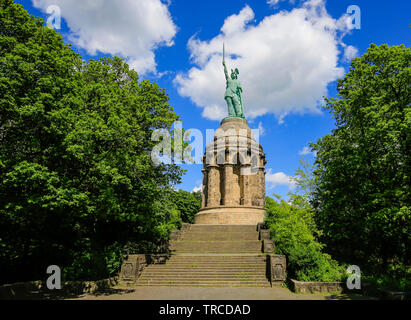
(362, 194)
(76, 173)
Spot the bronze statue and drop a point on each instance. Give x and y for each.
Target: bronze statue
(233, 92)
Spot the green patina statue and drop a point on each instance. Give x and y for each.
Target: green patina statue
(233, 92)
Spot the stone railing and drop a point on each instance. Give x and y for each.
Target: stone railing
(316, 286)
(264, 236)
(276, 264)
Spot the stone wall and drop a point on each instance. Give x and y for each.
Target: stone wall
(314, 286)
(23, 290)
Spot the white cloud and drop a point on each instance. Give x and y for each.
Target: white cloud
(286, 62)
(261, 129)
(198, 186)
(350, 52)
(132, 29)
(306, 151)
(273, 3)
(196, 189)
(279, 178)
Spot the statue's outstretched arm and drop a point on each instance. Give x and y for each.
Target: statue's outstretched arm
(225, 71)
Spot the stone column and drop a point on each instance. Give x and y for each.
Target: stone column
(228, 187)
(204, 189)
(213, 186)
(260, 186)
(246, 184)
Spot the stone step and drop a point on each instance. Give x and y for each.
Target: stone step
(209, 264)
(202, 276)
(218, 236)
(216, 249)
(222, 228)
(211, 256)
(232, 257)
(212, 283)
(216, 242)
(250, 246)
(207, 269)
(211, 250)
(213, 262)
(233, 245)
(205, 272)
(228, 251)
(254, 257)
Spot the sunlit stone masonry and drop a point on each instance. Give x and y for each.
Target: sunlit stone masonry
(233, 177)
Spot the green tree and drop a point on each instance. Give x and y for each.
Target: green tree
(76, 177)
(188, 203)
(293, 230)
(362, 195)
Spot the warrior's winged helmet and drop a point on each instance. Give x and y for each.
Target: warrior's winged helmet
(234, 73)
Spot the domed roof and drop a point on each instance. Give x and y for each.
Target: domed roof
(234, 132)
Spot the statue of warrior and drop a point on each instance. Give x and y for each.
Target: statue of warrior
(233, 92)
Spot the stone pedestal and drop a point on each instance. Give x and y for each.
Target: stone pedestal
(233, 177)
(277, 268)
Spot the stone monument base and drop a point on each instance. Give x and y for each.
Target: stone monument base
(240, 215)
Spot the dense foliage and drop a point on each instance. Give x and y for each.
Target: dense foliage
(293, 229)
(362, 195)
(188, 204)
(76, 176)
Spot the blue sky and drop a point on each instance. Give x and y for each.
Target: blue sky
(290, 54)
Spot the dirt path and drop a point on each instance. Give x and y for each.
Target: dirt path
(198, 293)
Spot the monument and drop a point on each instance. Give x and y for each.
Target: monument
(233, 189)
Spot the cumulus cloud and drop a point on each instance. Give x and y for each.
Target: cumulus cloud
(306, 151)
(261, 129)
(132, 29)
(350, 52)
(274, 3)
(198, 186)
(278, 179)
(196, 189)
(286, 61)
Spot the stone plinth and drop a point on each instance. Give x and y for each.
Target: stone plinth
(233, 177)
(230, 215)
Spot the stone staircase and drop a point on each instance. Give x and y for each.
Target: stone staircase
(211, 256)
